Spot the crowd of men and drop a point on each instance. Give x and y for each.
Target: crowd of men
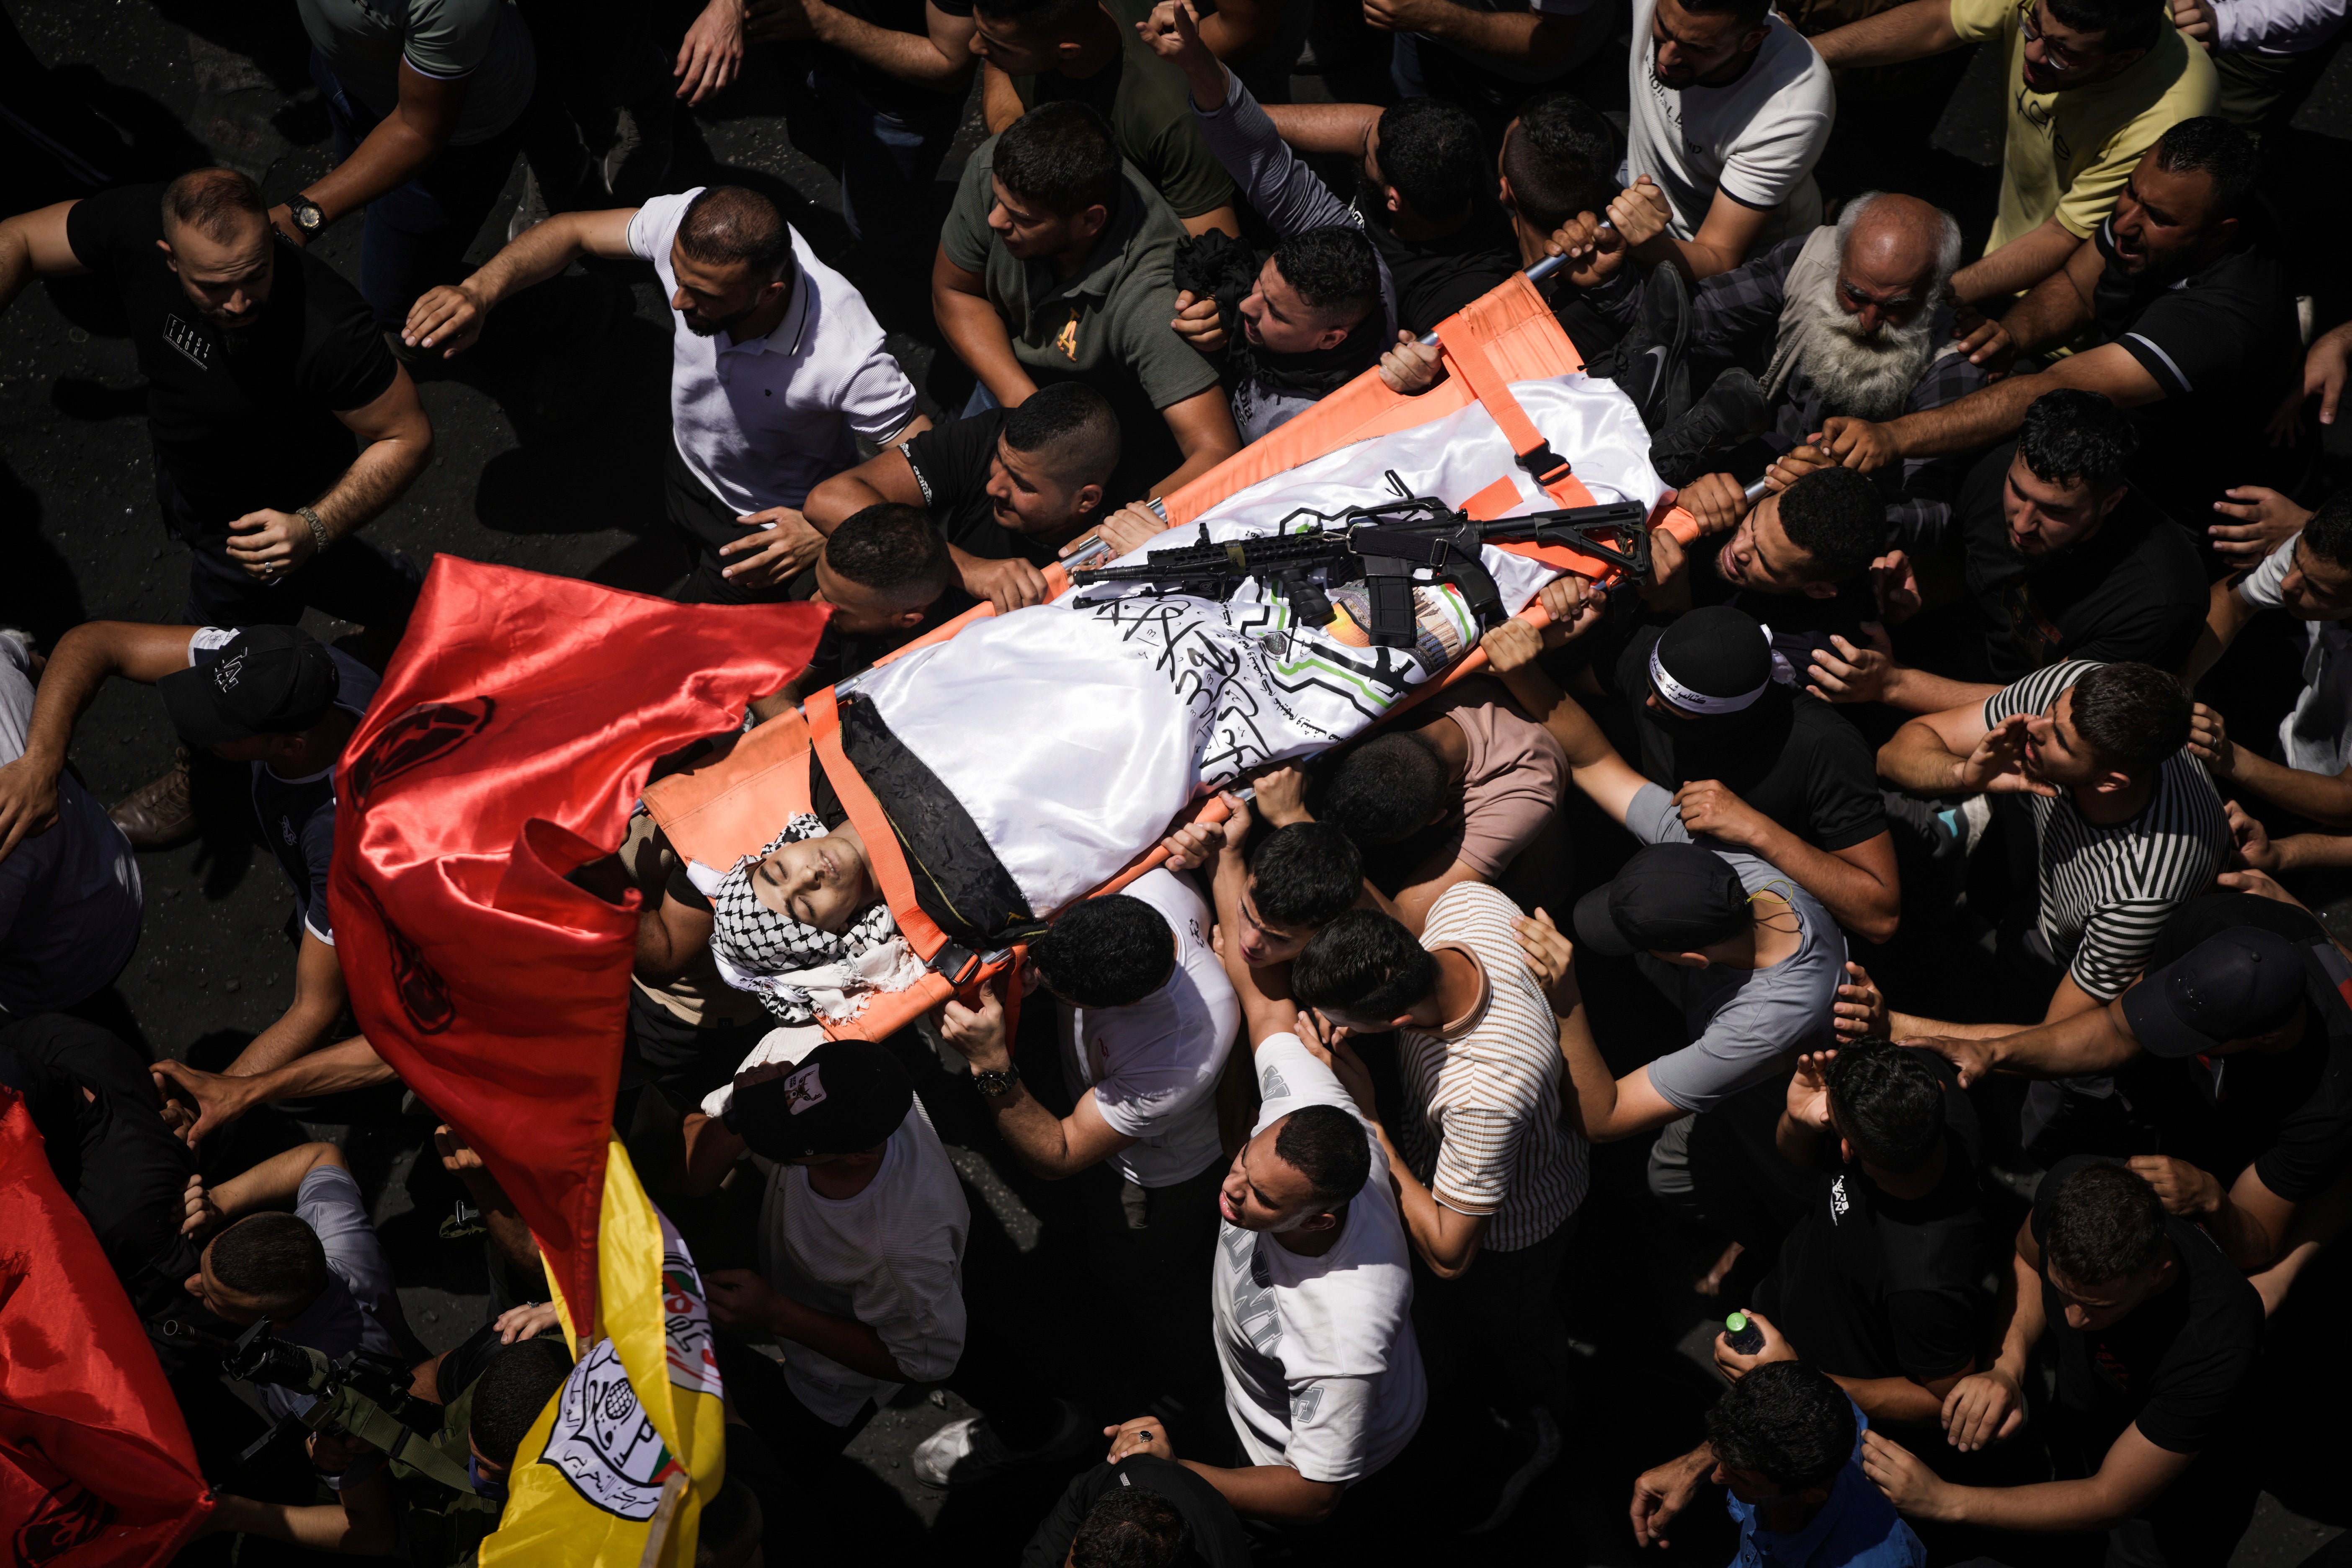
(2035, 631)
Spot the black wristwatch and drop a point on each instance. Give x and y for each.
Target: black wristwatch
(308, 215)
(993, 1084)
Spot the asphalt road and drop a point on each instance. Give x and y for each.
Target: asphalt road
(564, 479)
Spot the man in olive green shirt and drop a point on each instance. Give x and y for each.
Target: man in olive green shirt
(1063, 51)
(1055, 265)
(2091, 84)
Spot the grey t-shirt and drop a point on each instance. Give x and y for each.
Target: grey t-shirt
(69, 895)
(482, 43)
(1743, 1023)
(350, 1312)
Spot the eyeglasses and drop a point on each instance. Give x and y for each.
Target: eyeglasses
(2060, 56)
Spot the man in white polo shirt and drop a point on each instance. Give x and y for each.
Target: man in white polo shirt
(1145, 1019)
(777, 367)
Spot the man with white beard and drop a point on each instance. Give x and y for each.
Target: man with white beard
(1850, 317)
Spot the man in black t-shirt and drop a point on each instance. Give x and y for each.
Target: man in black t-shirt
(1880, 1285)
(2184, 291)
(1425, 193)
(2233, 1058)
(2155, 1334)
(2064, 558)
(1800, 560)
(262, 365)
(1759, 766)
(1011, 491)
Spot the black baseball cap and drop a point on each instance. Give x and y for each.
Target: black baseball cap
(1714, 660)
(265, 680)
(1675, 898)
(2242, 982)
(843, 1096)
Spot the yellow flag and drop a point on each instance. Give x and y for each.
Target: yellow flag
(641, 1406)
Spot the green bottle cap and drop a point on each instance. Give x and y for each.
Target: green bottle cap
(1736, 1323)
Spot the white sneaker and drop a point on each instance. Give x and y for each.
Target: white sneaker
(963, 1452)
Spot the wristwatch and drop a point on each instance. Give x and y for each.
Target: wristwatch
(308, 215)
(991, 1084)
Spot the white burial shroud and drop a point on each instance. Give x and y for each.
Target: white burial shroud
(1072, 734)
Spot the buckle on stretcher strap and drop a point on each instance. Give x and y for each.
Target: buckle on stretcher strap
(1464, 347)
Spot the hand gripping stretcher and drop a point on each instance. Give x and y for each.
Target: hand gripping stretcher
(729, 807)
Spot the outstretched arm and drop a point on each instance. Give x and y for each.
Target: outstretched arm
(77, 666)
(34, 245)
(1910, 32)
(1511, 651)
(451, 318)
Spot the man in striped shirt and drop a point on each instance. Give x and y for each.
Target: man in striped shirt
(1486, 1166)
(2127, 823)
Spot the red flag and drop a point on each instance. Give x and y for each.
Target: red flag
(96, 1468)
(508, 743)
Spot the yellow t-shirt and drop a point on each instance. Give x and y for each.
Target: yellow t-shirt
(2069, 153)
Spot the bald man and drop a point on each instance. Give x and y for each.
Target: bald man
(1849, 318)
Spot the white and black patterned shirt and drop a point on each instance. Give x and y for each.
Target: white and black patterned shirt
(2106, 889)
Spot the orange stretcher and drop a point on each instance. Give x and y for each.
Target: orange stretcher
(731, 808)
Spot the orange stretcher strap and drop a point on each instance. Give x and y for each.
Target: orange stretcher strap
(1464, 347)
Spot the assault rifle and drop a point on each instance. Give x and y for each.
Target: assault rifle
(1385, 546)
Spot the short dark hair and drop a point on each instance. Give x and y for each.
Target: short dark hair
(1333, 269)
(1327, 1145)
(1837, 518)
(2328, 531)
(1105, 952)
(1431, 154)
(1561, 159)
(728, 226)
(512, 1392)
(1785, 1421)
(2135, 714)
(1386, 789)
(2074, 434)
(1046, 18)
(1073, 418)
(2122, 24)
(1887, 1102)
(893, 549)
(1130, 1527)
(2223, 152)
(1366, 963)
(2103, 1224)
(1062, 157)
(731, 1525)
(274, 1258)
(209, 200)
(1308, 874)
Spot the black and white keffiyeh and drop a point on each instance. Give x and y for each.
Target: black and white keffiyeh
(798, 971)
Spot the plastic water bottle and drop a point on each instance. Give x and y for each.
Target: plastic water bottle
(1746, 1338)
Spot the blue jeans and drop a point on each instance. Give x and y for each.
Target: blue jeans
(417, 232)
